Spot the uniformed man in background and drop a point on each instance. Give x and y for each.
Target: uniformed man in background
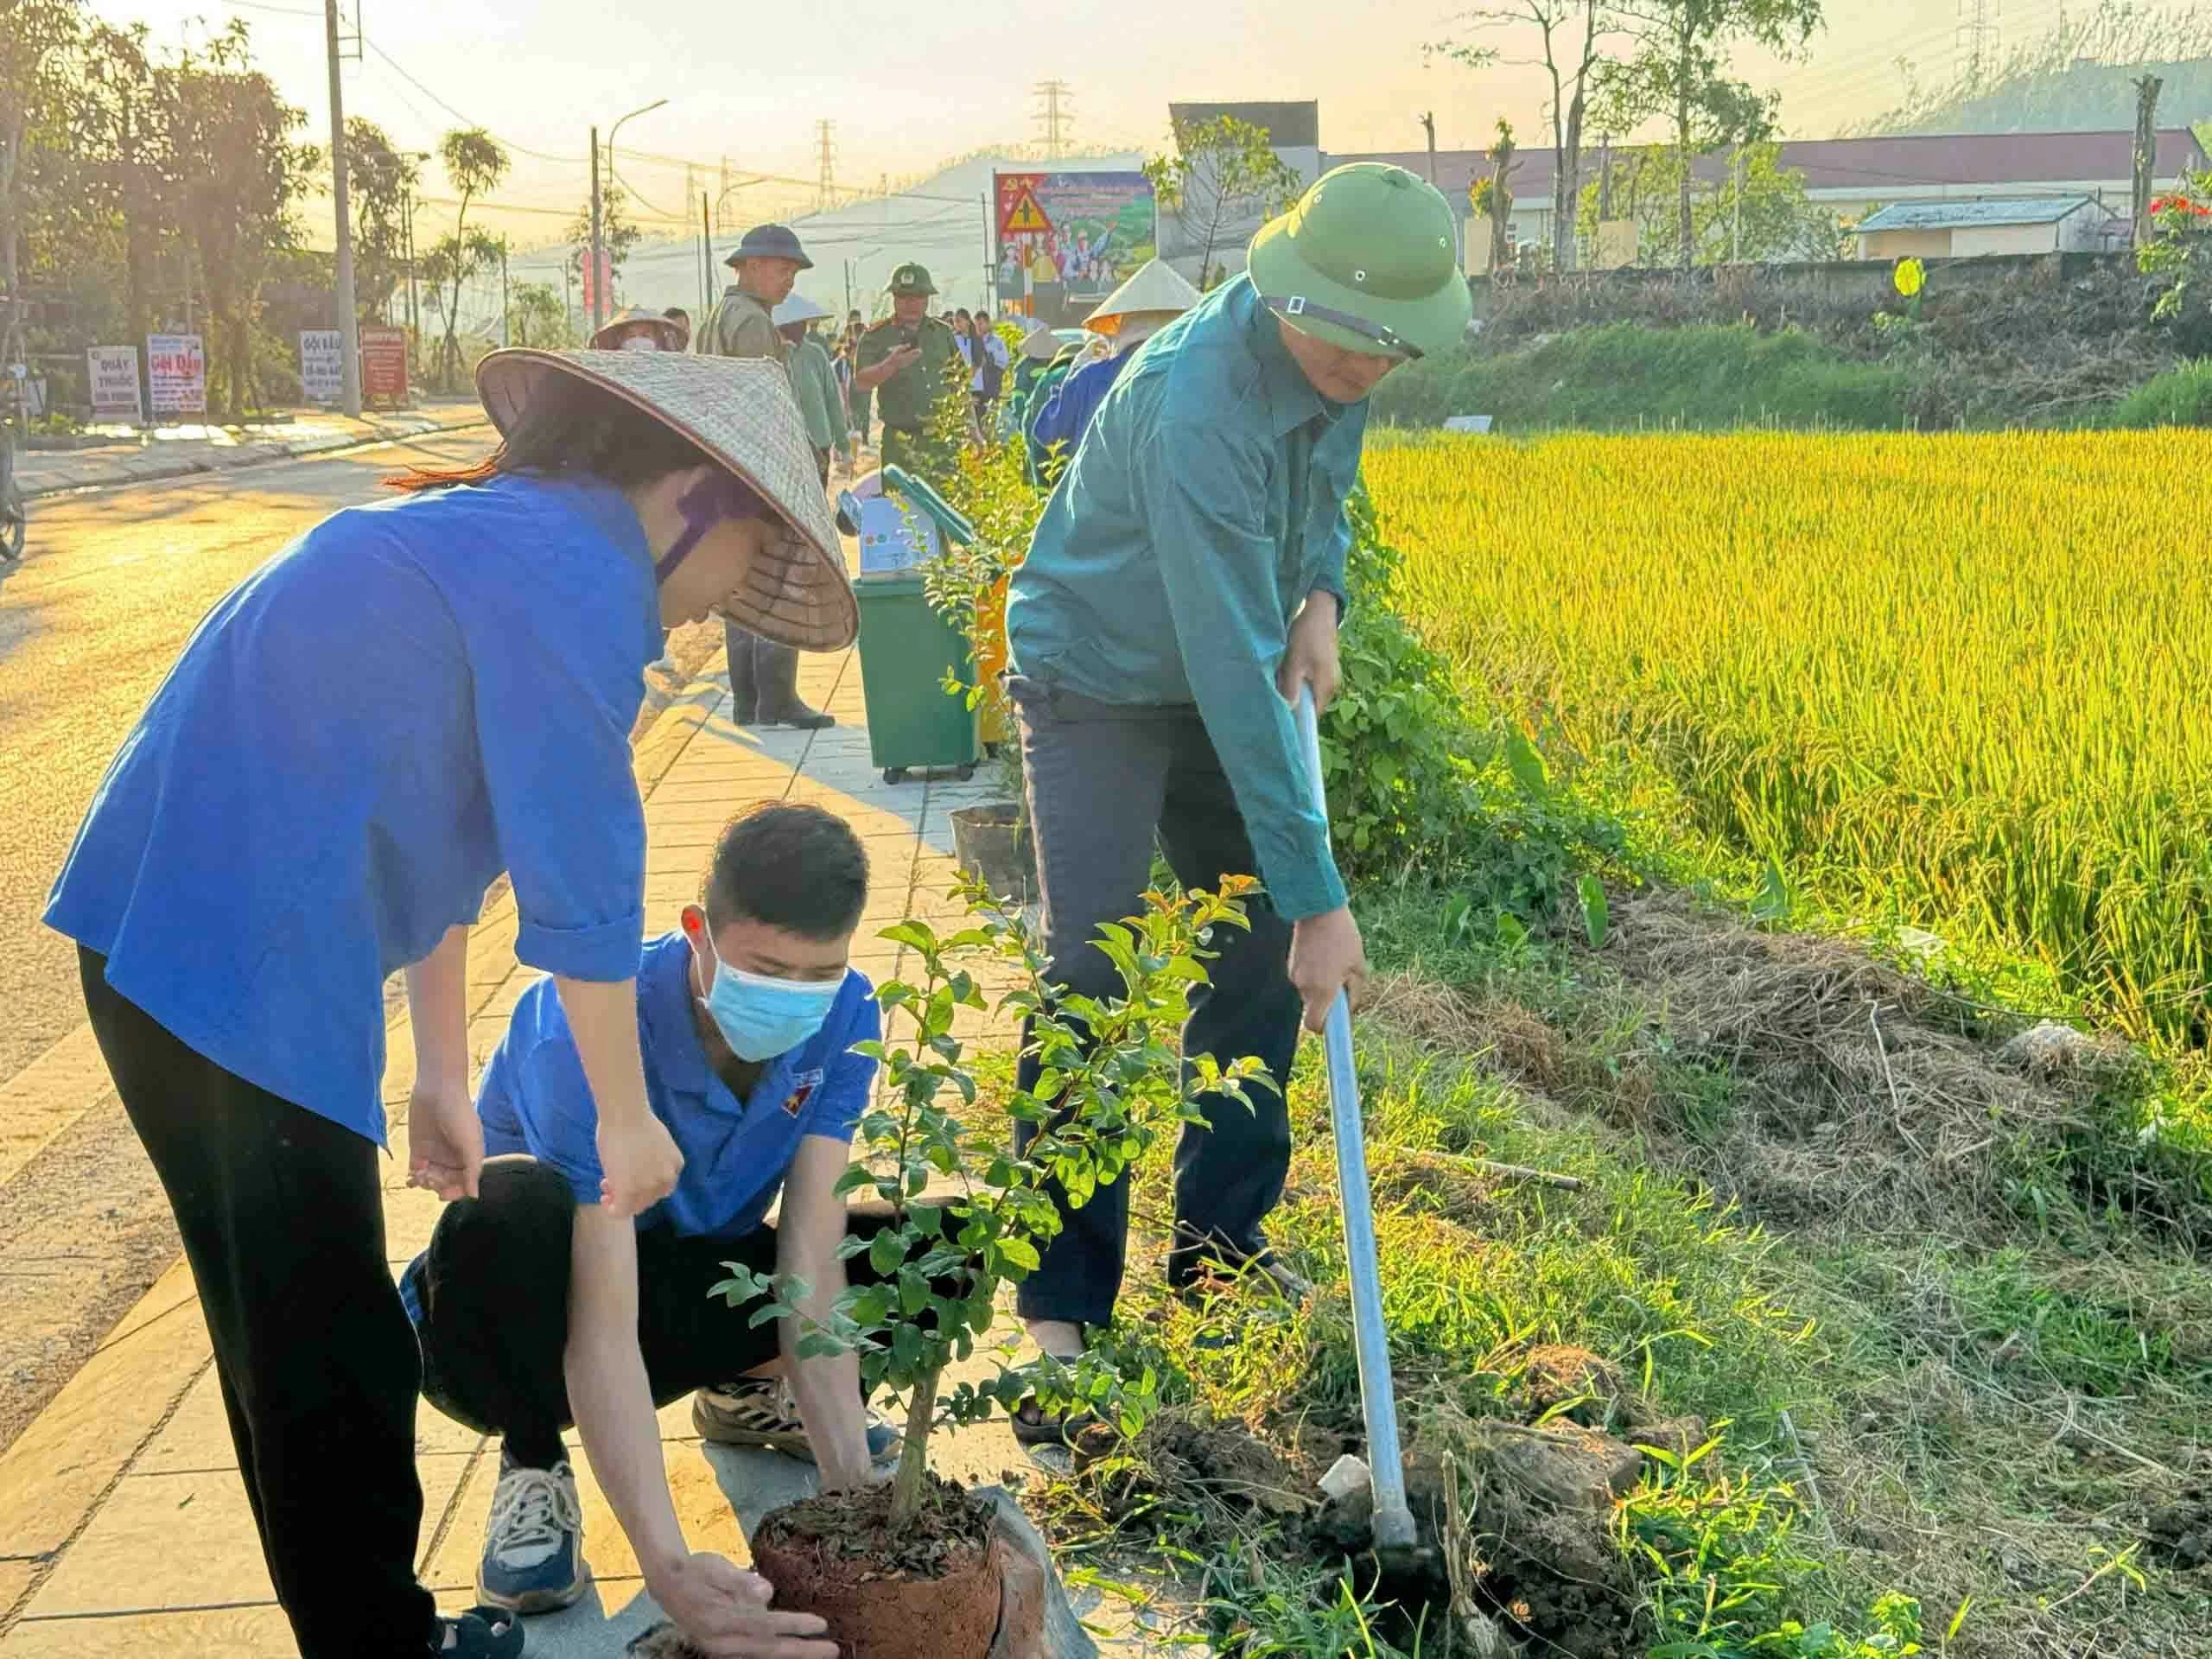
(763, 674)
(911, 362)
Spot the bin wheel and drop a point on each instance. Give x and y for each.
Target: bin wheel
(894, 775)
(964, 773)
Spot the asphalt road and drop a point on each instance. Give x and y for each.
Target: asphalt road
(114, 583)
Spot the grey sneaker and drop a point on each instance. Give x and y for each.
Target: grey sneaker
(533, 1558)
(759, 1411)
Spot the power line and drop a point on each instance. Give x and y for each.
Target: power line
(519, 149)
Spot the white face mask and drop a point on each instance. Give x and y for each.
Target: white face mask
(641, 343)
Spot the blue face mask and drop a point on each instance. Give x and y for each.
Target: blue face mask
(760, 1018)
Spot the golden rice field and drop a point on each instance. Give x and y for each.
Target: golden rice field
(1972, 673)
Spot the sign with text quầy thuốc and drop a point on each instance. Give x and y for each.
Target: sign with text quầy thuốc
(113, 374)
(322, 365)
(176, 373)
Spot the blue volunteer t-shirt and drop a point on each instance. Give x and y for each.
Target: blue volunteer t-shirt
(410, 698)
(533, 1097)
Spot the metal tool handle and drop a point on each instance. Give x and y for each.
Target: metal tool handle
(1394, 1522)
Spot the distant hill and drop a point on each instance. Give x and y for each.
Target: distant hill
(2079, 77)
(941, 220)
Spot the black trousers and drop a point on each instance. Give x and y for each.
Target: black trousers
(281, 1216)
(1104, 781)
(495, 1304)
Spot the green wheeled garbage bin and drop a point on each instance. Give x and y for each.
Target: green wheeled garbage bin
(906, 650)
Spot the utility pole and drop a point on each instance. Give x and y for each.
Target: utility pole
(2147, 92)
(706, 259)
(591, 275)
(1056, 114)
(1736, 191)
(826, 153)
(349, 324)
(506, 302)
(1428, 125)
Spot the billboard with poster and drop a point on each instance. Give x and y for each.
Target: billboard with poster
(1065, 241)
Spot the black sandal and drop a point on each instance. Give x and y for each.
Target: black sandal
(1033, 1426)
(480, 1633)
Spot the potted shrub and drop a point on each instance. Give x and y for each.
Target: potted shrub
(905, 1569)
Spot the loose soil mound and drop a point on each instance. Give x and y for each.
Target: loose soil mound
(1854, 1094)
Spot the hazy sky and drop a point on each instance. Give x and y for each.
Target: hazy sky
(908, 85)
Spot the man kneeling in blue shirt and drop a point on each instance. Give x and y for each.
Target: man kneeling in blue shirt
(538, 1307)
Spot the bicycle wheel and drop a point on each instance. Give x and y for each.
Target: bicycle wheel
(14, 524)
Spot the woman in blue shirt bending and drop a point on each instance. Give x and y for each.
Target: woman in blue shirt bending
(409, 700)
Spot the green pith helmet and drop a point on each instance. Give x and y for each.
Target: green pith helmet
(1367, 260)
(911, 278)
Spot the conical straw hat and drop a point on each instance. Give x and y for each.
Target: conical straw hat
(1156, 286)
(671, 332)
(739, 412)
(796, 307)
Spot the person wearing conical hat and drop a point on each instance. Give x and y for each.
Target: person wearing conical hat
(635, 329)
(1031, 359)
(814, 379)
(404, 704)
(1153, 296)
(1182, 588)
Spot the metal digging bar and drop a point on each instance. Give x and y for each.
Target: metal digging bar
(1393, 1524)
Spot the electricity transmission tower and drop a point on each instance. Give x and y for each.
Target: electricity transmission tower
(1977, 37)
(1056, 114)
(828, 153)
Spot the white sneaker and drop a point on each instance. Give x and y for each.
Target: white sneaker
(533, 1558)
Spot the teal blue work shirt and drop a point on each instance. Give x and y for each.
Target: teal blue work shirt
(1204, 503)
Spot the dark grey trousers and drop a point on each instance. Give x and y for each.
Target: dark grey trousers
(1104, 782)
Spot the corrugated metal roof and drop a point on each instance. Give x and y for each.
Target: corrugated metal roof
(1877, 166)
(1971, 215)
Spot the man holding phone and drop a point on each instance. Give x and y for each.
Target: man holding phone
(910, 361)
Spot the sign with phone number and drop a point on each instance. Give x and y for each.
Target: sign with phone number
(176, 374)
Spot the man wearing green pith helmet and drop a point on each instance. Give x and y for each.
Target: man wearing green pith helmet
(911, 362)
(1186, 580)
